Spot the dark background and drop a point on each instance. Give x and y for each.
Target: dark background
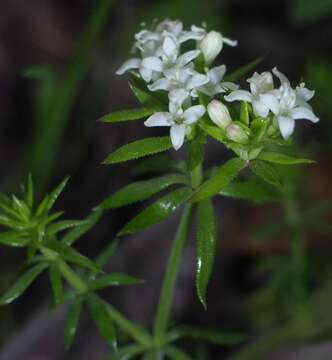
(293, 35)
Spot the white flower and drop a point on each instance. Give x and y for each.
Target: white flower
(149, 67)
(177, 118)
(212, 44)
(292, 105)
(214, 85)
(219, 114)
(262, 94)
(180, 78)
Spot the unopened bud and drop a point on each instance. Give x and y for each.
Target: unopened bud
(211, 46)
(219, 114)
(235, 133)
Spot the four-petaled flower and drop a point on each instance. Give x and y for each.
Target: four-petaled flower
(177, 118)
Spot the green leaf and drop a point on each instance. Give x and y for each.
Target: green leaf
(107, 253)
(22, 284)
(206, 247)
(212, 336)
(220, 179)
(72, 322)
(56, 283)
(102, 320)
(78, 231)
(127, 352)
(157, 212)
(127, 115)
(71, 255)
(114, 279)
(141, 190)
(196, 151)
(249, 190)
(147, 99)
(138, 149)
(13, 238)
(50, 199)
(283, 159)
(56, 227)
(176, 354)
(266, 172)
(29, 192)
(214, 131)
(242, 71)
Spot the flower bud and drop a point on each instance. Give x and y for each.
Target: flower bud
(235, 133)
(211, 46)
(219, 114)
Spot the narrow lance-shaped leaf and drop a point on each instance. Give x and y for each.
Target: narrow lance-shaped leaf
(29, 192)
(210, 335)
(176, 354)
(157, 212)
(115, 279)
(249, 190)
(221, 178)
(283, 159)
(242, 71)
(13, 238)
(71, 255)
(206, 247)
(147, 99)
(22, 284)
(127, 352)
(58, 226)
(78, 231)
(72, 322)
(102, 319)
(138, 149)
(127, 115)
(56, 283)
(107, 253)
(141, 190)
(266, 172)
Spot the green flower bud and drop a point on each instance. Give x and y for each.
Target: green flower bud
(211, 46)
(235, 133)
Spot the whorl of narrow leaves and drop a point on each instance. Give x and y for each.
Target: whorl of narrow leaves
(157, 212)
(221, 178)
(141, 190)
(206, 247)
(22, 284)
(282, 159)
(127, 115)
(138, 149)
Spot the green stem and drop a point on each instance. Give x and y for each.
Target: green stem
(74, 280)
(137, 333)
(298, 249)
(167, 292)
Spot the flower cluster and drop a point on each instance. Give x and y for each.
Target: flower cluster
(189, 76)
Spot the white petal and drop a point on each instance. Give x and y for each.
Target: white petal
(283, 79)
(185, 58)
(303, 113)
(286, 126)
(229, 85)
(170, 49)
(216, 74)
(129, 65)
(271, 102)
(194, 113)
(305, 93)
(146, 74)
(260, 109)
(178, 96)
(239, 95)
(161, 84)
(152, 63)
(229, 41)
(159, 119)
(196, 81)
(177, 135)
